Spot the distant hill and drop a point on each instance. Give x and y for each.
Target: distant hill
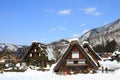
(104, 34)
(104, 37)
(9, 46)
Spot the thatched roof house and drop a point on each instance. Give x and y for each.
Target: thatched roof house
(36, 55)
(77, 59)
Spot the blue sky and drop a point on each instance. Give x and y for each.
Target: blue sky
(23, 21)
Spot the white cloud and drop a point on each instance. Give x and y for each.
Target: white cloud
(82, 25)
(43, 40)
(53, 29)
(85, 31)
(65, 12)
(92, 11)
(97, 14)
(76, 35)
(60, 28)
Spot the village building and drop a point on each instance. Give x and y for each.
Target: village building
(77, 59)
(37, 56)
(8, 62)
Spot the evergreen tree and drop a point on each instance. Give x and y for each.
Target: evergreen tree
(110, 46)
(99, 48)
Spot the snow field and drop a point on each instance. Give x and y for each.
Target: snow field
(50, 75)
(38, 75)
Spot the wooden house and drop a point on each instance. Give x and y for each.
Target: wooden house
(77, 60)
(36, 55)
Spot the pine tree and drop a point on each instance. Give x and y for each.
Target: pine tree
(110, 46)
(99, 48)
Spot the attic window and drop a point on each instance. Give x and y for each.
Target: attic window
(35, 50)
(75, 54)
(30, 54)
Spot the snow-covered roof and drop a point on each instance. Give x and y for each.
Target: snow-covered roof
(115, 53)
(2, 61)
(73, 39)
(85, 42)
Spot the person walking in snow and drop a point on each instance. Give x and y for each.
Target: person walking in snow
(106, 69)
(102, 69)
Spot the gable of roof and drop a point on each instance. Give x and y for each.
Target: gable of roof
(26, 54)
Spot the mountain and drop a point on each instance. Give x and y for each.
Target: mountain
(8, 46)
(100, 36)
(58, 47)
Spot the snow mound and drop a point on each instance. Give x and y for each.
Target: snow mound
(115, 53)
(110, 64)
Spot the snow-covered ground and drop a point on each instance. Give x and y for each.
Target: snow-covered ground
(38, 75)
(110, 64)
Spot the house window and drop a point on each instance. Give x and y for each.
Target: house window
(39, 54)
(81, 61)
(75, 54)
(69, 62)
(75, 62)
(30, 54)
(35, 50)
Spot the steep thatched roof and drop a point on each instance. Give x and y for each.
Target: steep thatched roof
(37, 45)
(86, 45)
